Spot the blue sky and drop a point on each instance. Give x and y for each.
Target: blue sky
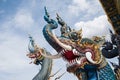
(18, 18)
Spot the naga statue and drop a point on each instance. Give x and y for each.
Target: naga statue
(83, 55)
(46, 64)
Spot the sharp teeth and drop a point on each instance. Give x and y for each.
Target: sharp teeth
(74, 51)
(65, 50)
(60, 52)
(72, 61)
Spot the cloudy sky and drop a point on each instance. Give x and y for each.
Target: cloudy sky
(18, 18)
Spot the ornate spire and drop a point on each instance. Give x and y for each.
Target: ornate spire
(65, 29)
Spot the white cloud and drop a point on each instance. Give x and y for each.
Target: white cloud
(13, 59)
(97, 27)
(12, 50)
(13, 46)
(80, 6)
(23, 19)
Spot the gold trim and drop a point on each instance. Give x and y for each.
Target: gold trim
(103, 63)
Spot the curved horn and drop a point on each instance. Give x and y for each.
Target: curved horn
(67, 47)
(43, 53)
(89, 57)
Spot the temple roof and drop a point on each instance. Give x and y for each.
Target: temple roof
(112, 10)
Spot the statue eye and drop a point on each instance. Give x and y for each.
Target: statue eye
(74, 36)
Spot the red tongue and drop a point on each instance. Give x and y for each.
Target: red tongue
(69, 55)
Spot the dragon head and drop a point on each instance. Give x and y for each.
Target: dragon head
(75, 50)
(34, 51)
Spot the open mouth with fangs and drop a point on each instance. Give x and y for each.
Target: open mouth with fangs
(34, 55)
(73, 57)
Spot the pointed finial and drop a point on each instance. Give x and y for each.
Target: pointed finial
(80, 31)
(46, 13)
(45, 9)
(29, 36)
(57, 16)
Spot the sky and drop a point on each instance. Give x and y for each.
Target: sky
(18, 18)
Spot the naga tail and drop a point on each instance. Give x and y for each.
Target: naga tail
(112, 9)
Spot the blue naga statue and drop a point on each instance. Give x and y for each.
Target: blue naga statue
(83, 55)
